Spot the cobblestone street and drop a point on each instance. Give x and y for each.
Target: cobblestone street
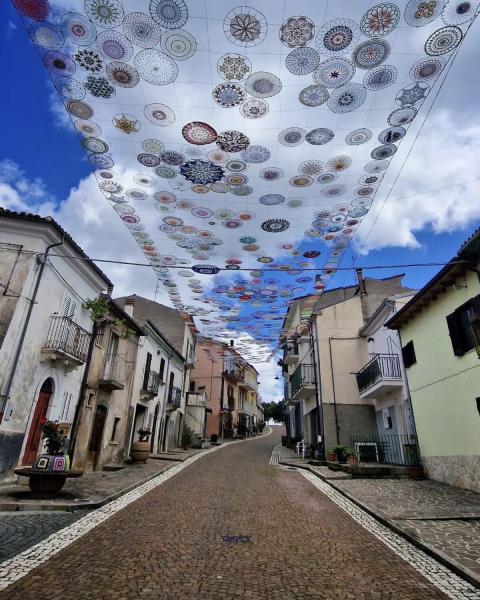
(295, 542)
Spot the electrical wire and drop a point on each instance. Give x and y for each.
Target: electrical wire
(266, 269)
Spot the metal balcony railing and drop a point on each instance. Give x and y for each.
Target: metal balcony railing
(67, 338)
(382, 366)
(175, 397)
(151, 383)
(389, 448)
(235, 374)
(302, 376)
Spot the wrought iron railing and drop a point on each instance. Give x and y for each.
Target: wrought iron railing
(65, 336)
(382, 366)
(290, 349)
(151, 383)
(114, 369)
(389, 448)
(175, 397)
(302, 376)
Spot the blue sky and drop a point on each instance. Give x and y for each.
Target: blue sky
(45, 157)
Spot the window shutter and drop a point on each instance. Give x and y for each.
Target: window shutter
(147, 370)
(408, 354)
(456, 334)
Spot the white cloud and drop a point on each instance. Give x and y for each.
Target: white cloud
(85, 215)
(445, 154)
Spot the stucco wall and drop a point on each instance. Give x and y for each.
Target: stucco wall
(61, 278)
(444, 388)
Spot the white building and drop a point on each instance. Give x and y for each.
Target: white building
(383, 378)
(164, 362)
(44, 330)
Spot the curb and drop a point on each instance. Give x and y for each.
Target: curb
(433, 552)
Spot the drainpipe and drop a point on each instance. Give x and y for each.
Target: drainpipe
(42, 259)
(318, 390)
(330, 339)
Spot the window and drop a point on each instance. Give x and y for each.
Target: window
(408, 353)
(146, 373)
(192, 386)
(115, 429)
(464, 326)
(162, 368)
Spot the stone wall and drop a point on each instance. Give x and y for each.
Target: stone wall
(460, 471)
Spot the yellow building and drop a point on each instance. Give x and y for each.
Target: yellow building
(440, 333)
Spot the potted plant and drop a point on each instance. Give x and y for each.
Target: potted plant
(141, 447)
(341, 452)
(352, 458)
(331, 456)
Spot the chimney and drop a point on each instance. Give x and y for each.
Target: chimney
(129, 306)
(361, 282)
(231, 343)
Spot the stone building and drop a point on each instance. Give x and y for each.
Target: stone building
(100, 432)
(45, 333)
(440, 333)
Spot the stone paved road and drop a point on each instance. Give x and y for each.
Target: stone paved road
(20, 530)
(168, 543)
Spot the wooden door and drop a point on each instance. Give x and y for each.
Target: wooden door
(35, 431)
(96, 436)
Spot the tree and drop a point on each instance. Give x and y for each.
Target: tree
(274, 410)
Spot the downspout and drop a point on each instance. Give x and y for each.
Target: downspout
(318, 390)
(43, 260)
(333, 381)
(222, 391)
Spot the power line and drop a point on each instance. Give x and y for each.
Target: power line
(262, 269)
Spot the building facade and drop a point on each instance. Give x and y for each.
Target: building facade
(231, 386)
(100, 428)
(324, 349)
(46, 332)
(164, 363)
(440, 334)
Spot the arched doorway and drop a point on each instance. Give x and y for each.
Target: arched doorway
(39, 417)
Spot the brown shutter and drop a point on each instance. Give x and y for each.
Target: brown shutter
(456, 334)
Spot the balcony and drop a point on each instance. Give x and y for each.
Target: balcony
(290, 353)
(113, 376)
(235, 375)
(197, 399)
(249, 384)
(286, 392)
(151, 382)
(66, 341)
(302, 382)
(174, 399)
(380, 376)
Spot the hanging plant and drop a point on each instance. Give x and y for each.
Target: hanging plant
(99, 310)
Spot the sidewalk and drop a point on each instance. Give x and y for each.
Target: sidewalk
(442, 520)
(93, 489)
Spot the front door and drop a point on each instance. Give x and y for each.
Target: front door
(95, 444)
(35, 431)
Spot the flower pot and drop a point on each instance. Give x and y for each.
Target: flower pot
(46, 484)
(352, 460)
(331, 457)
(140, 451)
